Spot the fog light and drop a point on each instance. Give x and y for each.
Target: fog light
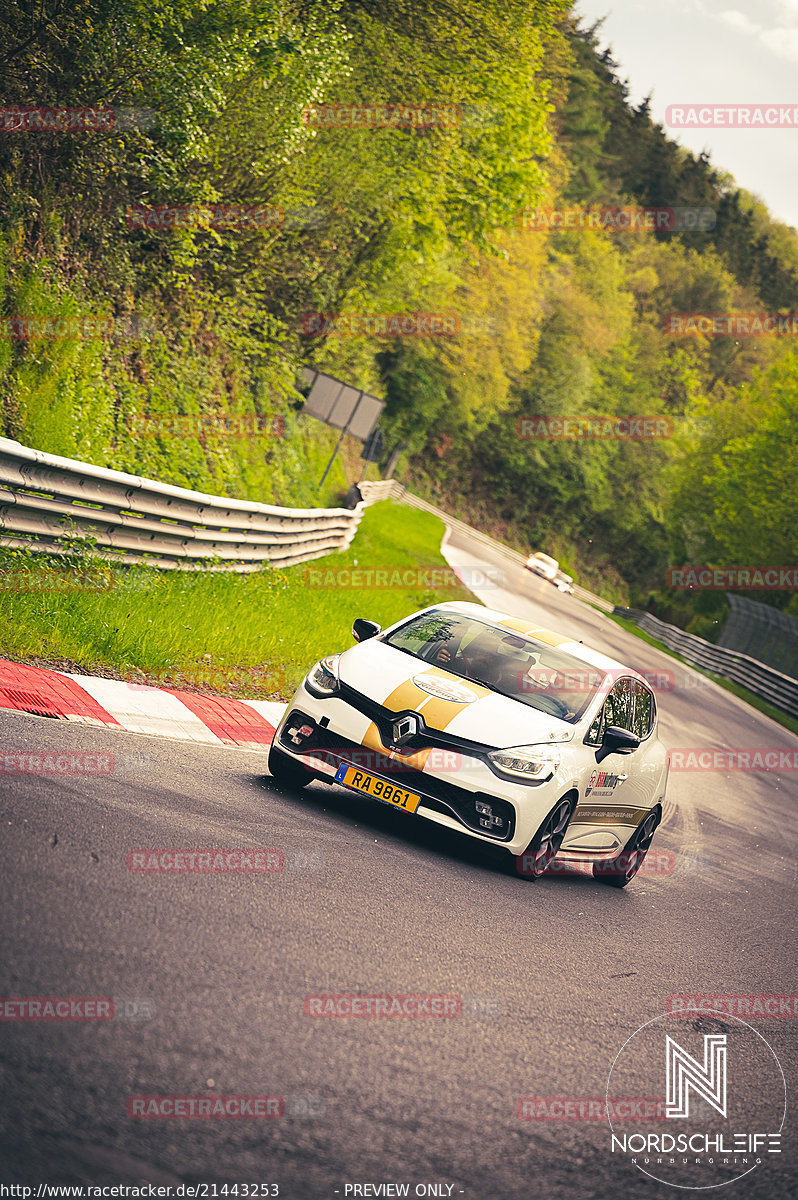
(298, 735)
(488, 819)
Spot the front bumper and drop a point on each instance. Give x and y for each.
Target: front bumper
(452, 784)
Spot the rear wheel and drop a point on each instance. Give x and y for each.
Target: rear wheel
(546, 842)
(619, 871)
(285, 771)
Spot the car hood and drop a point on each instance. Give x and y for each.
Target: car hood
(446, 701)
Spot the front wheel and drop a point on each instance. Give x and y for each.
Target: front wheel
(285, 771)
(619, 871)
(547, 841)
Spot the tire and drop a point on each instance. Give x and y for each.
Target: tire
(286, 772)
(621, 870)
(540, 852)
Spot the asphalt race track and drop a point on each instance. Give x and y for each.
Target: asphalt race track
(210, 972)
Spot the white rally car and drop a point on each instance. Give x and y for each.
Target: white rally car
(485, 724)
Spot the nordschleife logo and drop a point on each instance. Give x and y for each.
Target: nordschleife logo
(684, 1073)
(725, 1101)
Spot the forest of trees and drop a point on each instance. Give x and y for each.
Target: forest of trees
(214, 104)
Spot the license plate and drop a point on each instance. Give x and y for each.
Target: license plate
(378, 789)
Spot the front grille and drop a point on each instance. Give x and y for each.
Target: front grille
(443, 796)
(426, 739)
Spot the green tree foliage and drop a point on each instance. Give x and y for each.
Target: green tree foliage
(619, 513)
(214, 103)
(733, 494)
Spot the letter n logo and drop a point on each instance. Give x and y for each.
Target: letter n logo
(684, 1072)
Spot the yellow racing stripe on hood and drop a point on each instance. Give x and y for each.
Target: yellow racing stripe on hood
(406, 695)
(437, 713)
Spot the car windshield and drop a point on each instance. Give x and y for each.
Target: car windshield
(512, 664)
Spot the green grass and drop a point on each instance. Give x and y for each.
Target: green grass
(248, 635)
(775, 714)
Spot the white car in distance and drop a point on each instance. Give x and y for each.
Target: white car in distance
(543, 564)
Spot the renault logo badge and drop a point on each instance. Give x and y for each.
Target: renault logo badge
(403, 729)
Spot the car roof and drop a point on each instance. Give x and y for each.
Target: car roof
(559, 641)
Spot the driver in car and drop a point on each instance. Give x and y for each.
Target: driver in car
(478, 664)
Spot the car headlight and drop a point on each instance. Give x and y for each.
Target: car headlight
(532, 763)
(322, 680)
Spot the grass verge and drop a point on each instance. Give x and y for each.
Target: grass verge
(775, 714)
(247, 635)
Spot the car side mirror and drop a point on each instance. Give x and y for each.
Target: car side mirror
(617, 741)
(362, 630)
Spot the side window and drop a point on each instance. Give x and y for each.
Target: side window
(597, 728)
(643, 710)
(616, 710)
(619, 705)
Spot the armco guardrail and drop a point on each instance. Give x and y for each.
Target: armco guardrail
(380, 489)
(766, 682)
(398, 492)
(43, 497)
(761, 631)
